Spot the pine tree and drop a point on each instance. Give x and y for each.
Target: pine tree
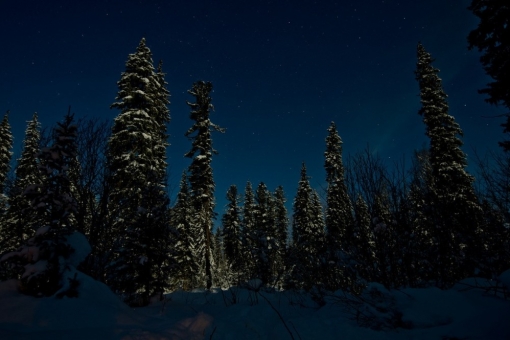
(200, 171)
(138, 203)
(420, 200)
(264, 234)
(339, 219)
(248, 232)
(231, 223)
(455, 216)
(383, 225)
(6, 140)
(491, 37)
(182, 214)
(306, 259)
(221, 275)
(281, 224)
(339, 207)
(162, 116)
(44, 256)
(21, 218)
(363, 242)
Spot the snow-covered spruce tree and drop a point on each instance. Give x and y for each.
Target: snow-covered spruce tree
(21, 218)
(231, 222)
(264, 234)
(185, 248)
(162, 116)
(455, 217)
(5, 160)
(339, 218)
(45, 255)
(339, 207)
(140, 234)
(6, 140)
(420, 201)
(281, 225)
(363, 242)
(220, 272)
(248, 233)
(308, 237)
(383, 225)
(201, 174)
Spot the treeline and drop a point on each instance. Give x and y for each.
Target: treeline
(415, 227)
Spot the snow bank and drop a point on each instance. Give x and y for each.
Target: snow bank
(240, 313)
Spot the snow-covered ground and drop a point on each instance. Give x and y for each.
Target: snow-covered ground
(460, 313)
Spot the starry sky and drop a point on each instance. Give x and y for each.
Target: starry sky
(281, 70)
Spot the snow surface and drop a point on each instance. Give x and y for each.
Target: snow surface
(463, 312)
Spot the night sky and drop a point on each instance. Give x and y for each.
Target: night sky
(281, 70)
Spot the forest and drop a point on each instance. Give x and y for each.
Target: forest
(92, 196)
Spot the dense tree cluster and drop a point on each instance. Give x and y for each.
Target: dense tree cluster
(421, 226)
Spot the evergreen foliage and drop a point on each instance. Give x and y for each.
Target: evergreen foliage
(308, 237)
(264, 234)
(492, 37)
(339, 207)
(138, 203)
(248, 232)
(185, 247)
(363, 242)
(231, 223)
(453, 216)
(201, 174)
(6, 141)
(281, 225)
(21, 220)
(339, 219)
(41, 260)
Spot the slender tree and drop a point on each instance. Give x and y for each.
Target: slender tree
(182, 214)
(200, 171)
(248, 232)
(339, 218)
(281, 223)
(363, 242)
(6, 227)
(339, 207)
(454, 216)
(306, 259)
(264, 234)
(6, 141)
(231, 223)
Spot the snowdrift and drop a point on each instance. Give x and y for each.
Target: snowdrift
(464, 312)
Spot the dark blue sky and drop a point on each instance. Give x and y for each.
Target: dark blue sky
(282, 71)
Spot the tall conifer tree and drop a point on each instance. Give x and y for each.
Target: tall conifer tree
(21, 217)
(231, 222)
(281, 224)
(339, 207)
(248, 232)
(137, 199)
(339, 218)
(200, 171)
(6, 140)
(454, 214)
(308, 239)
(182, 219)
